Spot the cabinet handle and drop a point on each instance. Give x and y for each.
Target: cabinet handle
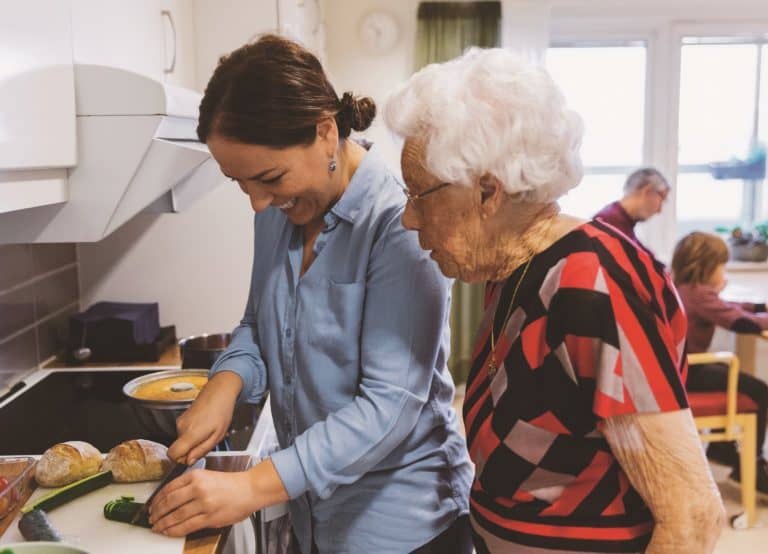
(170, 68)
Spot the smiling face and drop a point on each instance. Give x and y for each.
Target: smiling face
(295, 179)
(447, 220)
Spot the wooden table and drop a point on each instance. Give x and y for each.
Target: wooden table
(208, 541)
(746, 350)
(746, 344)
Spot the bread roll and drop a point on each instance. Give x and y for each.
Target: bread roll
(66, 463)
(137, 460)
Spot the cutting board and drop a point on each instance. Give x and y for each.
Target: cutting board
(82, 524)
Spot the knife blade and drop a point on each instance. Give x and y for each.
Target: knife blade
(176, 470)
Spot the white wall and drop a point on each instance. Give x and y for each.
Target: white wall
(196, 264)
(351, 68)
(678, 9)
(223, 25)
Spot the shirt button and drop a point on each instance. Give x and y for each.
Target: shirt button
(288, 332)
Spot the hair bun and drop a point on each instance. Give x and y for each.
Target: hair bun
(354, 113)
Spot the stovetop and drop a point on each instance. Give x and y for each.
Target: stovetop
(88, 406)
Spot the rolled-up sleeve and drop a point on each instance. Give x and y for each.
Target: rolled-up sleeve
(406, 307)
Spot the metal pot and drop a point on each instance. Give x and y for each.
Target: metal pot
(203, 350)
(159, 416)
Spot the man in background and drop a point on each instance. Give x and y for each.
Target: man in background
(645, 191)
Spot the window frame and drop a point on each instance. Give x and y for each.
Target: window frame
(729, 33)
(663, 36)
(655, 34)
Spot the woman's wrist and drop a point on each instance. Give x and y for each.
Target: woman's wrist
(266, 487)
(227, 383)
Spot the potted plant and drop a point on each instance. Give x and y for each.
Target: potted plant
(748, 246)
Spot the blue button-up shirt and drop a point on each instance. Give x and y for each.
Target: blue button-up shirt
(353, 354)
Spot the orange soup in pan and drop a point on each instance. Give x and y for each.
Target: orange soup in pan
(171, 388)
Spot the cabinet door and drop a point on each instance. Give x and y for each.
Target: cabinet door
(119, 33)
(37, 91)
(178, 43)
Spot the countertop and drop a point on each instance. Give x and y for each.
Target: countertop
(170, 359)
(210, 541)
(204, 542)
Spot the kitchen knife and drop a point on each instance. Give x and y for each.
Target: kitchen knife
(175, 471)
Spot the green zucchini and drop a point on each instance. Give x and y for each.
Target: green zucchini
(61, 496)
(35, 526)
(124, 509)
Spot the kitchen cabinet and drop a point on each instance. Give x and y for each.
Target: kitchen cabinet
(151, 37)
(178, 31)
(37, 99)
(128, 35)
(37, 103)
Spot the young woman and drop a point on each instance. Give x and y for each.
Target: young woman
(345, 327)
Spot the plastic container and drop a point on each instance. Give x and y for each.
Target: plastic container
(19, 472)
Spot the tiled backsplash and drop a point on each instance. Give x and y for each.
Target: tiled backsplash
(38, 293)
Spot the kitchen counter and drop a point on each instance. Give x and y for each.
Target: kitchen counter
(170, 359)
(63, 378)
(209, 541)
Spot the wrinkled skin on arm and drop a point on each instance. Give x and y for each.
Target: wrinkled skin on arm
(663, 459)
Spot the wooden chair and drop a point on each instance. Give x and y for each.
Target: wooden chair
(729, 416)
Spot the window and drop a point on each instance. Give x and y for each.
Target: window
(722, 116)
(605, 83)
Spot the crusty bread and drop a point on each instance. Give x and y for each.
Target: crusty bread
(137, 460)
(66, 463)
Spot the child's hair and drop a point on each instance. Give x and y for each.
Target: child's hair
(697, 256)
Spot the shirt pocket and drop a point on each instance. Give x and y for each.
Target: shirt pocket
(335, 327)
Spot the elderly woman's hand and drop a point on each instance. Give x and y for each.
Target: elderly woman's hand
(663, 459)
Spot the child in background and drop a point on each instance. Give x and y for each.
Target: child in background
(698, 268)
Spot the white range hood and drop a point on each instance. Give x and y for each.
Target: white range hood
(136, 147)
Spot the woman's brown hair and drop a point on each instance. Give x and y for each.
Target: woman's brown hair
(697, 256)
(273, 92)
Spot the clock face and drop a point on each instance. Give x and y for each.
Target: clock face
(379, 31)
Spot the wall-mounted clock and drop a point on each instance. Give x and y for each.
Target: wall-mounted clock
(379, 31)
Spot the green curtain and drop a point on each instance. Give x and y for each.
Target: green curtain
(445, 30)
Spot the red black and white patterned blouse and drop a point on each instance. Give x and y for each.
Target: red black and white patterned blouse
(596, 331)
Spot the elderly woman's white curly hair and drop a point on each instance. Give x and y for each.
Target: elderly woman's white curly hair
(492, 111)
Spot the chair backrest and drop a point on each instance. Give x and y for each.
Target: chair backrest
(732, 361)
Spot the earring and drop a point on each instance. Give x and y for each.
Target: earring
(332, 166)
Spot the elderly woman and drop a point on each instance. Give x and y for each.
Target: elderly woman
(576, 416)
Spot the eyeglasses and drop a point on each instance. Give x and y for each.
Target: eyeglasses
(412, 197)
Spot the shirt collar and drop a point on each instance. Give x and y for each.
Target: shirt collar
(348, 206)
(622, 210)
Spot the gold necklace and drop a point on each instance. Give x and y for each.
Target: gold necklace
(492, 366)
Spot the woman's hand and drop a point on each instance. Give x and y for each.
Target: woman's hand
(200, 499)
(206, 422)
